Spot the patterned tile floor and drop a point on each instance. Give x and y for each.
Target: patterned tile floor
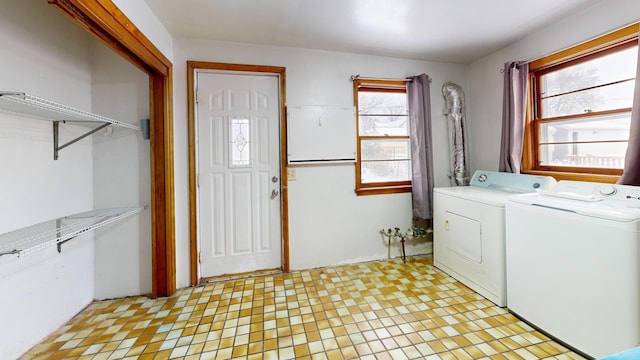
(375, 310)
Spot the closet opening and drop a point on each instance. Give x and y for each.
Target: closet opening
(107, 23)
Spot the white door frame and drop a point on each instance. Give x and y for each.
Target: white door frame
(192, 66)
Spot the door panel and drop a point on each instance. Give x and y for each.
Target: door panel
(238, 124)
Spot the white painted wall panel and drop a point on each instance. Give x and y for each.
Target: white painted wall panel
(43, 291)
(43, 54)
(145, 20)
(311, 128)
(121, 176)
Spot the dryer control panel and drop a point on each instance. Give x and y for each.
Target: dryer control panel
(508, 182)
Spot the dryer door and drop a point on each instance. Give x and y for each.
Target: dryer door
(464, 235)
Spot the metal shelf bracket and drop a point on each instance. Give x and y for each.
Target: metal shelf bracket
(56, 134)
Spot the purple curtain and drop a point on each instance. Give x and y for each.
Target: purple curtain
(419, 99)
(513, 113)
(631, 173)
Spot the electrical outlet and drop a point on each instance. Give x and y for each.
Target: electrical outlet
(291, 173)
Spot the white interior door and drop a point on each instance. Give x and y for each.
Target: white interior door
(238, 117)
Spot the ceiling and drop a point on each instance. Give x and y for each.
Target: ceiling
(458, 31)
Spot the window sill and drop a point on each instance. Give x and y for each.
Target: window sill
(559, 175)
(383, 190)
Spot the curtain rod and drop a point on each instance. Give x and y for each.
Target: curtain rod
(358, 77)
(524, 62)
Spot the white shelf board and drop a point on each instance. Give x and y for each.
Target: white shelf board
(321, 134)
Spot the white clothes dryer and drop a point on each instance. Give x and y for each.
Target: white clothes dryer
(573, 268)
(469, 229)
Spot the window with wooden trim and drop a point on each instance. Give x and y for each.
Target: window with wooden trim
(580, 106)
(384, 154)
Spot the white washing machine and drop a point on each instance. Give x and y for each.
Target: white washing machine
(573, 264)
(469, 229)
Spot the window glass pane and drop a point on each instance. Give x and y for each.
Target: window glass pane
(601, 128)
(589, 142)
(386, 149)
(383, 125)
(386, 171)
(584, 155)
(382, 103)
(617, 96)
(604, 70)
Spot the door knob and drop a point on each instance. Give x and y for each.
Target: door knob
(274, 193)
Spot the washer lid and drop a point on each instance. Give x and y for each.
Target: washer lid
(610, 209)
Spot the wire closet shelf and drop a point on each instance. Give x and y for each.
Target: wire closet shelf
(19, 103)
(24, 104)
(56, 232)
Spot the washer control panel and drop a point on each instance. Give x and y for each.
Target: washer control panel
(607, 190)
(598, 190)
(633, 194)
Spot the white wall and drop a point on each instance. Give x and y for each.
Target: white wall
(485, 79)
(121, 176)
(146, 21)
(328, 223)
(49, 58)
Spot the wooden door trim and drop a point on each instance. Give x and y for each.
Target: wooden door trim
(192, 66)
(103, 19)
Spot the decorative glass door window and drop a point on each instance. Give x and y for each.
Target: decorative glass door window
(239, 142)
